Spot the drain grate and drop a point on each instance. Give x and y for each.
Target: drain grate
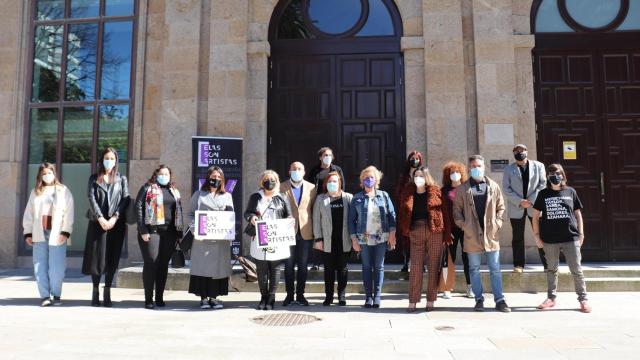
(285, 319)
(445, 328)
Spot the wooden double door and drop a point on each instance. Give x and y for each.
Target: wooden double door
(588, 107)
(352, 103)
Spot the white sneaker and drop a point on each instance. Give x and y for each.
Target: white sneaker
(204, 305)
(470, 292)
(215, 304)
(446, 295)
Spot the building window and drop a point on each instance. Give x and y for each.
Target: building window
(575, 16)
(81, 95)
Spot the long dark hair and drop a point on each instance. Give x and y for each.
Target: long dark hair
(101, 170)
(404, 177)
(154, 178)
(206, 187)
(39, 182)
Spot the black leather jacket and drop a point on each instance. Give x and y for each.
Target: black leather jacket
(140, 208)
(107, 201)
(278, 209)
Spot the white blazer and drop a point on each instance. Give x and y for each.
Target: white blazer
(62, 215)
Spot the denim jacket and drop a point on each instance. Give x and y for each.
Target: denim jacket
(358, 215)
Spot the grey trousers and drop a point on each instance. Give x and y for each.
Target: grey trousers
(571, 251)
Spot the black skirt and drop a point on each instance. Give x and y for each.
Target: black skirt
(206, 287)
(102, 249)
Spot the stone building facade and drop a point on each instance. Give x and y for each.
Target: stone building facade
(201, 67)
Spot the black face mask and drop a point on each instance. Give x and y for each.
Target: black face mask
(269, 185)
(414, 163)
(520, 156)
(555, 179)
(214, 183)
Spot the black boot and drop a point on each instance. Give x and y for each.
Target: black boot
(160, 300)
(95, 297)
(271, 302)
(263, 302)
(107, 297)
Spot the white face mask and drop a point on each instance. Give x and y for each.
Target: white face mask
(419, 181)
(48, 179)
(327, 159)
(296, 175)
(455, 176)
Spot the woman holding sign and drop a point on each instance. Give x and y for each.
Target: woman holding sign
(159, 220)
(331, 231)
(267, 204)
(372, 227)
(210, 258)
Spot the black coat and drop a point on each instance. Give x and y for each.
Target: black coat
(278, 209)
(105, 201)
(313, 177)
(140, 206)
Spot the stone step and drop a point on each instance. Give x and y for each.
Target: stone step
(529, 281)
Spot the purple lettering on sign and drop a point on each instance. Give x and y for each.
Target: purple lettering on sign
(230, 185)
(203, 152)
(202, 225)
(263, 239)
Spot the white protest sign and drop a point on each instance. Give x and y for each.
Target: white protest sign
(215, 225)
(279, 232)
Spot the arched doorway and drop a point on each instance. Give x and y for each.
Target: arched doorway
(335, 79)
(587, 90)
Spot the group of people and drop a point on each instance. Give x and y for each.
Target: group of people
(431, 220)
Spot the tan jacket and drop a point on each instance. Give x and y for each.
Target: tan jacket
(303, 212)
(466, 218)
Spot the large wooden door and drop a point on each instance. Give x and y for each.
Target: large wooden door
(352, 103)
(592, 98)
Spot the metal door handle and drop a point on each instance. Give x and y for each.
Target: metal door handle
(602, 185)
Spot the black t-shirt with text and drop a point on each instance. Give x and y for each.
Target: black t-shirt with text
(558, 222)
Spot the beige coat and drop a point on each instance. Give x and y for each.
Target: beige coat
(302, 212)
(61, 220)
(466, 218)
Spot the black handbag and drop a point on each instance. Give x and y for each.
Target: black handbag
(186, 242)
(177, 258)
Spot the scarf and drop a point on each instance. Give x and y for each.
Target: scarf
(154, 209)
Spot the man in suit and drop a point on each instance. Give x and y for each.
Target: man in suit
(521, 183)
(301, 194)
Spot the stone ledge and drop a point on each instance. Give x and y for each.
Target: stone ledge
(524, 41)
(411, 42)
(259, 48)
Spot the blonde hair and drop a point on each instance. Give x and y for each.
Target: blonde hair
(428, 179)
(267, 173)
(377, 174)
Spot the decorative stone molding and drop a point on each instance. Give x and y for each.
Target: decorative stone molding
(411, 42)
(524, 41)
(259, 48)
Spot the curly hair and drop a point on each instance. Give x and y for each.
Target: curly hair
(451, 167)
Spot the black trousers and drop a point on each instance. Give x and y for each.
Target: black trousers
(300, 257)
(268, 276)
(335, 263)
(458, 237)
(156, 254)
(517, 232)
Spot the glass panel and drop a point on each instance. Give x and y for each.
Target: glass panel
(632, 22)
(548, 18)
(334, 16)
(116, 60)
(47, 62)
(379, 22)
(82, 48)
(76, 164)
(43, 135)
(49, 9)
(291, 24)
(114, 131)
(593, 13)
(119, 8)
(85, 8)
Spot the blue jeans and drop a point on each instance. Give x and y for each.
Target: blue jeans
(493, 261)
(373, 270)
(300, 257)
(49, 266)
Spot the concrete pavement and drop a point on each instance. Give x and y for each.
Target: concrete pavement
(182, 331)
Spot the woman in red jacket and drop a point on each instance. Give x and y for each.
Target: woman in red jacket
(421, 219)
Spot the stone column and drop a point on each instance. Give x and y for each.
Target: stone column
(14, 43)
(446, 131)
(414, 93)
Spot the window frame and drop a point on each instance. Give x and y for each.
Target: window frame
(62, 103)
